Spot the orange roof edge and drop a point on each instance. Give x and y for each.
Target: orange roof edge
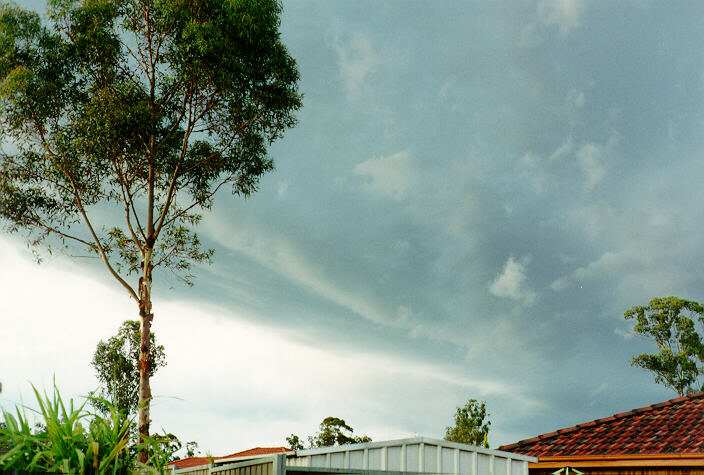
(257, 452)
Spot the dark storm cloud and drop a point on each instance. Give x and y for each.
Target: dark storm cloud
(484, 188)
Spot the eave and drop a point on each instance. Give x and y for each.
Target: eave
(634, 460)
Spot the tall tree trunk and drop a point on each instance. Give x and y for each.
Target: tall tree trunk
(146, 317)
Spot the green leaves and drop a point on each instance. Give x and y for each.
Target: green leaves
(669, 323)
(333, 431)
(140, 109)
(35, 74)
(148, 107)
(470, 427)
(70, 439)
(116, 361)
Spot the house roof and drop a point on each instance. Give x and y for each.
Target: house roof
(671, 427)
(257, 451)
(189, 462)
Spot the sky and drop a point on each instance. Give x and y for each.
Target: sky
(474, 194)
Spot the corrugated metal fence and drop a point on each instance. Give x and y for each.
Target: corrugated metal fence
(418, 455)
(274, 465)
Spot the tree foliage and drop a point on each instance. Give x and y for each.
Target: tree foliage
(470, 427)
(116, 362)
(121, 119)
(294, 442)
(670, 323)
(70, 439)
(333, 431)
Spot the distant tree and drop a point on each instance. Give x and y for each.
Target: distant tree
(470, 427)
(192, 448)
(294, 442)
(116, 363)
(121, 119)
(670, 323)
(169, 444)
(333, 431)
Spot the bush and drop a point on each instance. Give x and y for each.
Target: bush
(74, 440)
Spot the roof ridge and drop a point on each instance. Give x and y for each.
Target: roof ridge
(605, 420)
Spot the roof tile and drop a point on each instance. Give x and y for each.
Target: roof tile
(674, 426)
(195, 461)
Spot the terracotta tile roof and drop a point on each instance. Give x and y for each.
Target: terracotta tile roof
(671, 427)
(257, 451)
(195, 461)
(189, 462)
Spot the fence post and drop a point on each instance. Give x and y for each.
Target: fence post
(279, 465)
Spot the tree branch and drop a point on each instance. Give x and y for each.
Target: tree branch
(99, 246)
(199, 202)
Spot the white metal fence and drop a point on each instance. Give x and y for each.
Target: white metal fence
(418, 455)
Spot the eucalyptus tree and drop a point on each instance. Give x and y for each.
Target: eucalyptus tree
(670, 322)
(121, 119)
(470, 426)
(333, 431)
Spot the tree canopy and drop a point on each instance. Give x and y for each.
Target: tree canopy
(670, 323)
(470, 427)
(121, 119)
(333, 431)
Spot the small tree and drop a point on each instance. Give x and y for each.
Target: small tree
(192, 448)
(669, 322)
(470, 427)
(116, 363)
(333, 431)
(294, 442)
(123, 118)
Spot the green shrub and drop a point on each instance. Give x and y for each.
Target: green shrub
(74, 440)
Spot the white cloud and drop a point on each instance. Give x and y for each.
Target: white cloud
(637, 272)
(281, 257)
(511, 283)
(52, 318)
(391, 176)
(532, 172)
(563, 150)
(230, 383)
(356, 59)
(589, 158)
(562, 14)
(537, 171)
(596, 392)
(579, 100)
(609, 263)
(593, 220)
(283, 188)
(625, 334)
(560, 284)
